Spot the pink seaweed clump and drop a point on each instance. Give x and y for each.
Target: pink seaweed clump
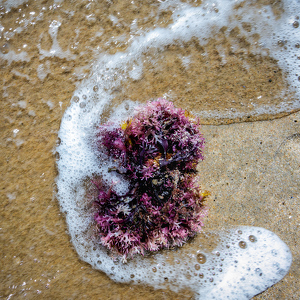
(157, 152)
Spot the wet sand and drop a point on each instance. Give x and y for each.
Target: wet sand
(251, 169)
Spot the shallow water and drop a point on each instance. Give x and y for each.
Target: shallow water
(48, 49)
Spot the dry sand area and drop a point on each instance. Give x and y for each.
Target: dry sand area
(251, 168)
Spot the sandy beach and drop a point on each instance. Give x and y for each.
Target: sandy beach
(251, 164)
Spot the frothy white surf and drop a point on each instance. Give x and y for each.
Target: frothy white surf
(246, 261)
(279, 38)
(256, 258)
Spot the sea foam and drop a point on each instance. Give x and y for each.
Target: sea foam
(246, 260)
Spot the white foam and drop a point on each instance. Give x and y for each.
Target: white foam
(263, 262)
(11, 196)
(13, 56)
(186, 61)
(50, 104)
(55, 48)
(9, 4)
(19, 74)
(205, 21)
(278, 37)
(136, 73)
(235, 273)
(22, 104)
(43, 70)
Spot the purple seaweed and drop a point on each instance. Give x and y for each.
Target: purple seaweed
(157, 152)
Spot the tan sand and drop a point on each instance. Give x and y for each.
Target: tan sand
(251, 169)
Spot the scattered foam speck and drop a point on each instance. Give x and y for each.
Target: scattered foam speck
(55, 48)
(13, 56)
